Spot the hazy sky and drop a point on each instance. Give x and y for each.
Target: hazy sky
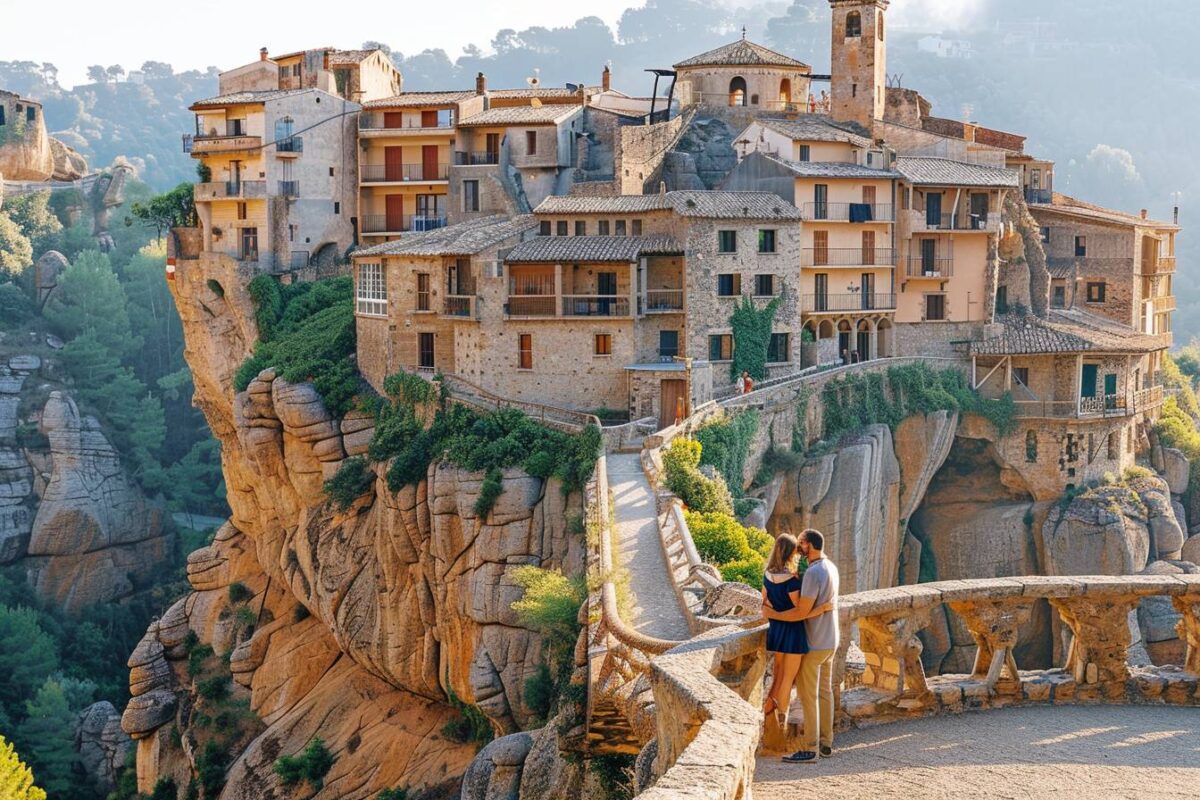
(75, 33)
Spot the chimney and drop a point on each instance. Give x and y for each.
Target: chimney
(481, 84)
(262, 54)
(606, 79)
(325, 61)
(662, 187)
(1176, 215)
(1144, 213)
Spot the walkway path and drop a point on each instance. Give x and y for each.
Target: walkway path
(1057, 752)
(656, 610)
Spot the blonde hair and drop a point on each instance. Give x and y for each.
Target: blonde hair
(783, 554)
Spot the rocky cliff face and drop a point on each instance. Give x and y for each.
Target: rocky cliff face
(69, 515)
(403, 599)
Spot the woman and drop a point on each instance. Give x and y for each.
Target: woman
(747, 383)
(785, 640)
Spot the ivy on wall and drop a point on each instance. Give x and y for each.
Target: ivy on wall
(752, 337)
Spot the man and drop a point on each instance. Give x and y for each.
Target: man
(814, 683)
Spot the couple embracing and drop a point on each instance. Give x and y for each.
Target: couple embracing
(801, 610)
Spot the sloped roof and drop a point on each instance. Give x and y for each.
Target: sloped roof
(1071, 205)
(711, 204)
(618, 204)
(831, 169)
(339, 57)
(415, 99)
(241, 98)
(520, 115)
(559, 249)
(463, 239)
(743, 52)
(929, 171)
(541, 91)
(816, 128)
(1067, 331)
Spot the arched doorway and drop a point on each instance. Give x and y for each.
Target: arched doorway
(863, 342)
(884, 333)
(844, 331)
(737, 91)
(785, 92)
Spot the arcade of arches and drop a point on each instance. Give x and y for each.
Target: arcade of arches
(851, 339)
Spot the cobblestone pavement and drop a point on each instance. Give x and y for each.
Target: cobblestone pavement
(656, 610)
(1060, 752)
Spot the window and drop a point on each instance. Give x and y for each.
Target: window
(820, 209)
(1, 115)
(620, 227)
(31, 114)
(1001, 299)
(337, 207)
(372, 291)
(544, 228)
(668, 344)
(635, 227)
(1045, 235)
(805, 152)
(525, 351)
(422, 291)
(603, 344)
(331, 172)
(296, 70)
(241, 210)
(1081, 247)
(531, 143)
(729, 284)
(720, 347)
(726, 241)
(766, 241)
(580, 227)
(1095, 292)
(602, 227)
(853, 25)
(470, 195)
(249, 244)
(764, 285)
(935, 307)
(561, 228)
(425, 350)
(1021, 375)
(1058, 297)
(779, 349)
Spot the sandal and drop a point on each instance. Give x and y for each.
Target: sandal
(771, 706)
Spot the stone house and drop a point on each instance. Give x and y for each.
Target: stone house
(743, 75)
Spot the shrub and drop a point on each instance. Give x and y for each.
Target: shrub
(615, 774)
(15, 305)
(725, 444)
(196, 656)
(164, 789)
(215, 688)
(748, 571)
(540, 691)
(682, 475)
(489, 492)
(550, 603)
(311, 766)
(1137, 472)
(239, 592)
(245, 616)
(352, 480)
(469, 726)
(392, 794)
(737, 551)
(210, 769)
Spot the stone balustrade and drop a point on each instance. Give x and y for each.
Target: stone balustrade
(707, 691)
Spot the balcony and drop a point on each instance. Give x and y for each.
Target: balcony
(1100, 407)
(1043, 196)
(848, 212)
(937, 267)
(385, 224)
(583, 305)
(1164, 303)
(230, 190)
(921, 221)
(289, 188)
(377, 125)
(401, 173)
(1165, 264)
(855, 301)
(531, 305)
(476, 158)
(664, 301)
(204, 145)
(847, 257)
(463, 306)
(291, 146)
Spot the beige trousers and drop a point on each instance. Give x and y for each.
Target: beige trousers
(814, 685)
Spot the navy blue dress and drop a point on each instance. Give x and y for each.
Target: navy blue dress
(784, 637)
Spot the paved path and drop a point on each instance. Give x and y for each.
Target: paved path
(656, 610)
(1107, 752)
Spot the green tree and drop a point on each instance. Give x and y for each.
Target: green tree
(16, 251)
(36, 219)
(16, 779)
(173, 209)
(27, 655)
(91, 300)
(47, 735)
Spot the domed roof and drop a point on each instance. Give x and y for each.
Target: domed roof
(742, 53)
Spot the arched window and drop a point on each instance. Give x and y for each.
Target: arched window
(1031, 445)
(785, 91)
(737, 91)
(853, 25)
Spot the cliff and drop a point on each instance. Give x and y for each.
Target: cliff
(358, 627)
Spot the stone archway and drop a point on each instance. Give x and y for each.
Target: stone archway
(885, 339)
(845, 340)
(737, 91)
(785, 92)
(864, 339)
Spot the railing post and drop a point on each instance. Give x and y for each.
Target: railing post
(1188, 629)
(1097, 656)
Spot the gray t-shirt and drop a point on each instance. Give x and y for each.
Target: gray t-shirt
(821, 584)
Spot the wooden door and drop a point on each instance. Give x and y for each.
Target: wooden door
(868, 248)
(868, 195)
(493, 148)
(393, 119)
(428, 119)
(820, 248)
(674, 403)
(821, 292)
(393, 163)
(868, 291)
(429, 162)
(395, 212)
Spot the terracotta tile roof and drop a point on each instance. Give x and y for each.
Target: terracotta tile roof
(241, 98)
(541, 91)
(341, 57)
(928, 171)
(741, 53)
(831, 169)
(817, 128)
(560, 249)
(1067, 331)
(1070, 205)
(1060, 267)
(463, 239)
(686, 203)
(415, 99)
(521, 115)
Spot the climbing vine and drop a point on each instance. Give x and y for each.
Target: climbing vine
(725, 445)
(752, 337)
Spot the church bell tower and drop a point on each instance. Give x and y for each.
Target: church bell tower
(859, 61)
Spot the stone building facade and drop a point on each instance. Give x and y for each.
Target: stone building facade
(743, 75)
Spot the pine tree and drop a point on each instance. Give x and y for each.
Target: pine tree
(47, 737)
(27, 656)
(16, 779)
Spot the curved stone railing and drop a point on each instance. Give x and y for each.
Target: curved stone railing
(707, 691)
(474, 396)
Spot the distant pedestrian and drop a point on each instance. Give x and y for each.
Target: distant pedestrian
(747, 383)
